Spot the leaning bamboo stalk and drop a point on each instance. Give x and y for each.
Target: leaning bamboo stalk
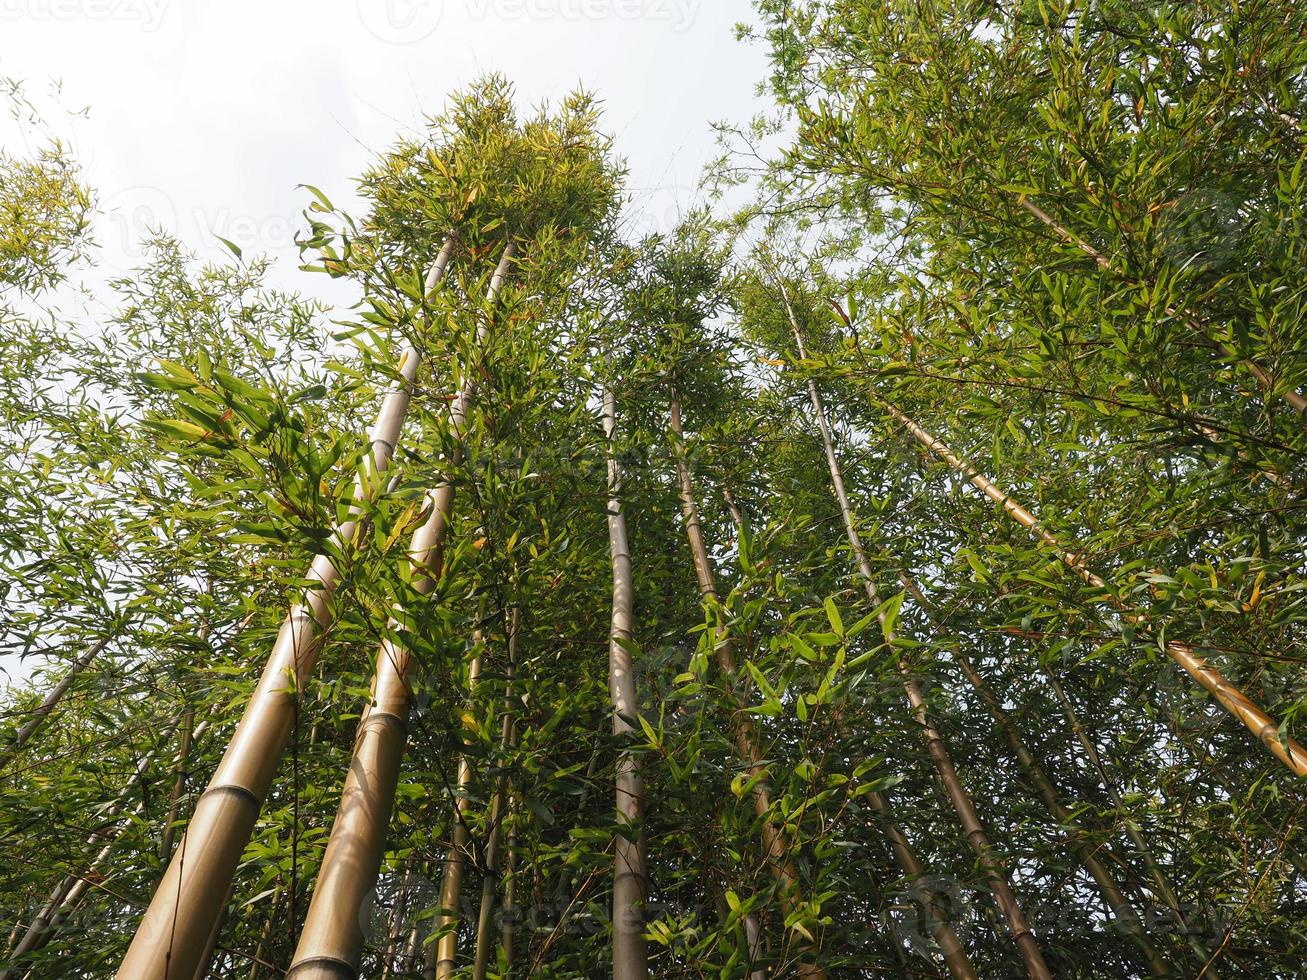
(67, 894)
(974, 830)
(745, 736)
(1227, 694)
(265, 934)
(630, 885)
(498, 812)
(510, 887)
(51, 700)
(1159, 886)
(331, 943)
(188, 900)
(1295, 399)
(1113, 895)
(955, 957)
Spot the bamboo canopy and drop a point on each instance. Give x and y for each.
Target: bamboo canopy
(796, 590)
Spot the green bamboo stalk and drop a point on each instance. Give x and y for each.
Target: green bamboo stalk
(630, 884)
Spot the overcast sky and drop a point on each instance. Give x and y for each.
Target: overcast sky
(204, 115)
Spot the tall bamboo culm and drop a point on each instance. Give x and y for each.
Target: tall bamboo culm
(745, 736)
(171, 938)
(630, 887)
(499, 812)
(975, 832)
(1230, 697)
(331, 943)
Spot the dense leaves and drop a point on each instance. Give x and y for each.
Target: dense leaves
(1062, 237)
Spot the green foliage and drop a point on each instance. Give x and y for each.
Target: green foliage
(1052, 233)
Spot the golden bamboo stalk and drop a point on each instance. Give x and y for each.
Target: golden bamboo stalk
(1230, 697)
(51, 701)
(331, 942)
(498, 812)
(972, 827)
(1108, 887)
(444, 958)
(175, 929)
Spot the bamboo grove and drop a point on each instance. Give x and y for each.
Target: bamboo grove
(896, 569)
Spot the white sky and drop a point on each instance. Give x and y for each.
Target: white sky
(205, 115)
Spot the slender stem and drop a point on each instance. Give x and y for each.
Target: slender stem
(746, 738)
(961, 800)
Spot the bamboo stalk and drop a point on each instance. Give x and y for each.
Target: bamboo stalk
(1117, 903)
(178, 786)
(51, 701)
(510, 887)
(331, 942)
(443, 959)
(1230, 697)
(266, 932)
(630, 885)
(955, 957)
(498, 811)
(175, 928)
(394, 921)
(745, 736)
(45, 924)
(1160, 887)
(972, 827)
